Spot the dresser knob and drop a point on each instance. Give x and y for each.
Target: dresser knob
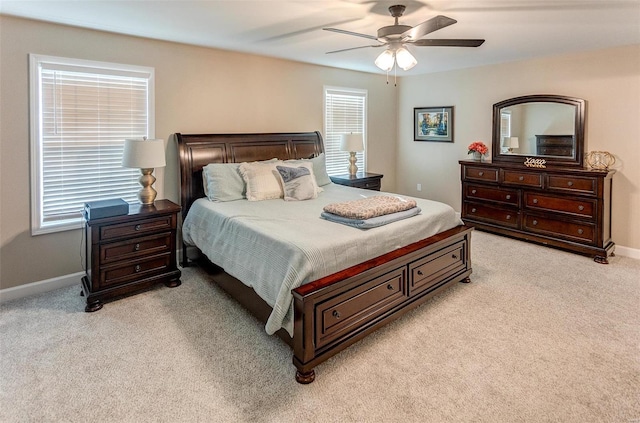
(520, 178)
(137, 247)
(453, 256)
(138, 227)
(473, 210)
(570, 183)
(138, 268)
(581, 207)
(508, 197)
(480, 173)
(535, 222)
(580, 231)
(508, 217)
(420, 272)
(473, 191)
(390, 287)
(535, 201)
(336, 314)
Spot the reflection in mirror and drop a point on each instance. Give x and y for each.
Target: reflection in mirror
(545, 128)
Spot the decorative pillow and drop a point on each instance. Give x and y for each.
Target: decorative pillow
(261, 180)
(298, 182)
(319, 168)
(223, 181)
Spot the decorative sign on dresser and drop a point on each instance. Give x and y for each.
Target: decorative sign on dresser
(561, 203)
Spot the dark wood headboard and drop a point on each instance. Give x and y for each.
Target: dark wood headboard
(198, 150)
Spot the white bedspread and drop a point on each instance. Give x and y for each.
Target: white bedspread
(275, 246)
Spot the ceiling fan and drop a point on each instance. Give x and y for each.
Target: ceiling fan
(396, 37)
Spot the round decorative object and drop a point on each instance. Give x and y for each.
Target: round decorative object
(600, 160)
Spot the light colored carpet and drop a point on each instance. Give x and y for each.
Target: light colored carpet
(540, 335)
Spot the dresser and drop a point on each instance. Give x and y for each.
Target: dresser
(131, 252)
(567, 208)
(359, 180)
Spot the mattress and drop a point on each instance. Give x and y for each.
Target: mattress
(275, 246)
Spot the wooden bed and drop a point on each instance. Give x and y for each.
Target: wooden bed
(338, 310)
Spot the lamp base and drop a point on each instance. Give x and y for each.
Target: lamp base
(353, 169)
(147, 194)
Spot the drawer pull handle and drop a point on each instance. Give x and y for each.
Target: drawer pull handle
(336, 314)
(520, 178)
(508, 217)
(138, 268)
(508, 197)
(535, 201)
(473, 210)
(473, 191)
(570, 183)
(390, 287)
(420, 272)
(581, 207)
(580, 231)
(480, 173)
(535, 222)
(453, 256)
(137, 247)
(138, 227)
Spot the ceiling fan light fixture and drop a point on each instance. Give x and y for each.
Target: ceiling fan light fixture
(405, 59)
(385, 60)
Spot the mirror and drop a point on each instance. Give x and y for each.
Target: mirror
(547, 127)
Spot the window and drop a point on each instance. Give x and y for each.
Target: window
(345, 111)
(81, 113)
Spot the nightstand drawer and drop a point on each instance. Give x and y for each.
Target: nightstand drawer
(135, 247)
(372, 185)
(136, 227)
(133, 270)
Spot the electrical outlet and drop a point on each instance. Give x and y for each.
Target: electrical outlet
(419, 187)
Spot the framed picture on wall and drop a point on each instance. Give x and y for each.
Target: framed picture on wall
(433, 124)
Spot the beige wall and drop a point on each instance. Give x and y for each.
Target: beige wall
(197, 90)
(609, 80)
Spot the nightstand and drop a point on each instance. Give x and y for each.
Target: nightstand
(131, 252)
(359, 180)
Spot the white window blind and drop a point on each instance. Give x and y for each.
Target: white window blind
(345, 112)
(505, 125)
(81, 114)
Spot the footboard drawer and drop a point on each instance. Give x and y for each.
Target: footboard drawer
(343, 313)
(436, 267)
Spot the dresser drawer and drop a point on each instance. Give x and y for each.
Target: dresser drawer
(355, 308)
(480, 174)
(436, 267)
(502, 216)
(498, 195)
(580, 232)
(135, 247)
(575, 184)
(136, 269)
(574, 207)
(136, 227)
(527, 179)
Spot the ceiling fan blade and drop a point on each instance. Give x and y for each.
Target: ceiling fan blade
(427, 27)
(353, 48)
(342, 31)
(447, 43)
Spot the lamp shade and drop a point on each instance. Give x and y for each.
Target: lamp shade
(385, 60)
(351, 142)
(510, 142)
(405, 59)
(143, 154)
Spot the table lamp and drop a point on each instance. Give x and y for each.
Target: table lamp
(352, 143)
(510, 143)
(145, 155)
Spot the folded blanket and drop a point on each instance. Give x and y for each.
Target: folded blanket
(367, 208)
(374, 221)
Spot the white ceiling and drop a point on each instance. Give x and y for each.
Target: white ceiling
(513, 29)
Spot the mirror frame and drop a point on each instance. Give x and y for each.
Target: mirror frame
(579, 104)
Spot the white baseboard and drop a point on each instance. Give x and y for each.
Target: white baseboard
(34, 288)
(627, 252)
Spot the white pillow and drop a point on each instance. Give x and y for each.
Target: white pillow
(223, 181)
(298, 182)
(261, 180)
